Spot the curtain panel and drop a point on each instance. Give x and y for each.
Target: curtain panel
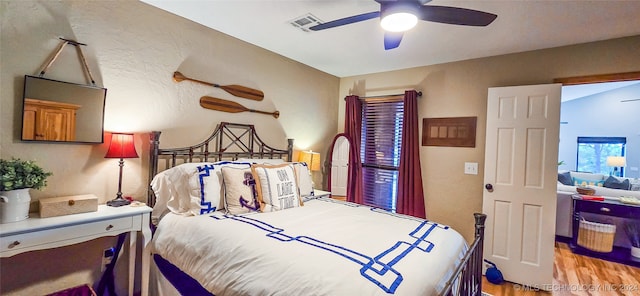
(410, 194)
(352, 128)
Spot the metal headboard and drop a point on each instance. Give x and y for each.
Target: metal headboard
(229, 141)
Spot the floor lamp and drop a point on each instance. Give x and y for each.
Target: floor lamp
(121, 147)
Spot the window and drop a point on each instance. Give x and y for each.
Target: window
(381, 140)
(593, 153)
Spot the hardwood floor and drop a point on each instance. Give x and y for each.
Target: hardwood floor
(579, 275)
(339, 197)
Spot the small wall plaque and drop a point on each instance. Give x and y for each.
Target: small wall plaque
(449, 131)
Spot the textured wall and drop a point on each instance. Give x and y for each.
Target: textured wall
(133, 49)
(460, 89)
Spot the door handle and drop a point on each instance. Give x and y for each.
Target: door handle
(489, 187)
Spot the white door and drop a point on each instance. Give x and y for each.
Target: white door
(339, 167)
(520, 175)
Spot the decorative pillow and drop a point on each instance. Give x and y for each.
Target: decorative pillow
(635, 184)
(582, 182)
(304, 179)
(198, 187)
(565, 178)
(241, 195)
(277, 187)
(587, 176)
(615, 183)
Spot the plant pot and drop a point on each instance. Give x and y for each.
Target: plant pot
(635, 252)
(14, 205)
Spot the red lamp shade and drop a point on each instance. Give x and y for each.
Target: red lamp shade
(121, 146)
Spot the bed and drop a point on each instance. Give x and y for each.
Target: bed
(234, 216)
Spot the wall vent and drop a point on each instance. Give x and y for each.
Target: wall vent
(304, 22)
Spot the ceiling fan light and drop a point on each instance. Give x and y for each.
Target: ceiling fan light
(399, 21)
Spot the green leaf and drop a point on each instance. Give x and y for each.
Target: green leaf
(18, 174)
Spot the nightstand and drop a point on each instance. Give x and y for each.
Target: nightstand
(321, 193)
(38, 233)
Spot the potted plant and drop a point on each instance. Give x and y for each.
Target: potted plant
(632, 228)
(16, 178)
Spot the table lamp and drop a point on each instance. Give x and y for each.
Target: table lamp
(121, 147)
(312, 159)
(615, 162)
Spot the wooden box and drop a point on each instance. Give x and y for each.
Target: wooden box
(67, 205)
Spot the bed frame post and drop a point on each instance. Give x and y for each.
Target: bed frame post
(154, 141)
(290, 149)
(479, 252)
(467, 277)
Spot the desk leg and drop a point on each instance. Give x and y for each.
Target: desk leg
(146, 255)
(132, 259)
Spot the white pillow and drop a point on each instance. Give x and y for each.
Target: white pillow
(277, 187)
(162, 189)
(304, 179)
(169, 188)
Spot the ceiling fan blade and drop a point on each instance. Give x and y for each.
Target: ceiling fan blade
(457, 16)
(346, 21)
(392, 39)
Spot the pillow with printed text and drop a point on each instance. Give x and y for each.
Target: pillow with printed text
(277, 187)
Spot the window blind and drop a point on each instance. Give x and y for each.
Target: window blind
(381, 140)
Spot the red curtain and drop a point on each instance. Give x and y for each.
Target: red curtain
(352, 129)
(410, 195)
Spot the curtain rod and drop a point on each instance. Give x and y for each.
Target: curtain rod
(384, 96)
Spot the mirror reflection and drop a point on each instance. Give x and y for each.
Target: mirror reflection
(339, 166)
(58, 111)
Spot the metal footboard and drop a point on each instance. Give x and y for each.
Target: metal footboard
(467, 278)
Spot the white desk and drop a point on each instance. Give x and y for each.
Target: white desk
(38, 233)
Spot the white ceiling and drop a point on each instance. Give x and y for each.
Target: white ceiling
(358, 48)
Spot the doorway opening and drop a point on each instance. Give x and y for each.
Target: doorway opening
(596, 120)
(597, 131)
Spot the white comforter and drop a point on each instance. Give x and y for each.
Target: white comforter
(323, 248)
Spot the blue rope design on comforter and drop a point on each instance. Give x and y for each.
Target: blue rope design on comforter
(378, 269)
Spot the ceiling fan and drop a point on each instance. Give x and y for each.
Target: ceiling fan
(398, 16)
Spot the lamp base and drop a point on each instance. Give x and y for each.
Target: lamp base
(118, 202)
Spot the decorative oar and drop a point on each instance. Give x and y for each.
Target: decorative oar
(229, 106)
(236, 90)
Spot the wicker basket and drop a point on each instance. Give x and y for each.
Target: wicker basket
(596, 236)
(586, 190)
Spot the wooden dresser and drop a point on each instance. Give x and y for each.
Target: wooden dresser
(49, 120)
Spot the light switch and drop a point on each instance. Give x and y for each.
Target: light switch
(471, 168)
